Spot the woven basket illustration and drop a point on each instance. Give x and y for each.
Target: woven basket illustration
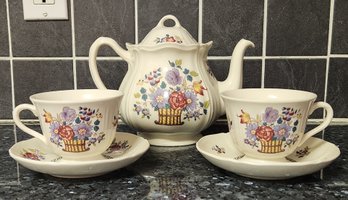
(273, 146)
(75, 146)
(169, 116)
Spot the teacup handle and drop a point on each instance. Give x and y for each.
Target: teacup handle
(323, 125)
(23, 127)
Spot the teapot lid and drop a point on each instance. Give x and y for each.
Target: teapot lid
(162, 34)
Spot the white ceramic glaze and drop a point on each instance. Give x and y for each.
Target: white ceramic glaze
(270, 123)
(311, 156)
(35, 155)
(75, 123)
(171, 94)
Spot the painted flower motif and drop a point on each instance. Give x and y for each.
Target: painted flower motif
(82, 131)
(244, 117)
(174, 89)
(282, 131)
(191, 100)
(34, 155)
(146, 112)
(251, 130)
(271, 115)
(177, 100)
(159, 98)
(54, 128)
(66, 132)
(68, 114)
(173, 77)
(138, 109)
(264, 133)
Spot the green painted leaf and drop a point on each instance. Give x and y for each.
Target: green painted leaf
(142, 90)
(178, 62)
(193, 73)
(137, 95)
(144, 97)
(189, 78)
(206, 104)
(163, 85)
(97, 122)
(77, 120)
(96, 128)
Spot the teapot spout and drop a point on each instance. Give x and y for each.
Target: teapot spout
(234, 79)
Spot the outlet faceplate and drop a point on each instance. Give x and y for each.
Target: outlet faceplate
(45, 9)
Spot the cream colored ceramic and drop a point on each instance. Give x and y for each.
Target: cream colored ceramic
(270, 123)
(75, 123)
(35, 155)
(311, 156)
(171, 94)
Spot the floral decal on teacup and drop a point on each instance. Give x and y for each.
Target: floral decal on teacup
(273, 130)
(75, 131)
(172, 93)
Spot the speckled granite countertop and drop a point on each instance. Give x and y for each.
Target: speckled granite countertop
(172, 173)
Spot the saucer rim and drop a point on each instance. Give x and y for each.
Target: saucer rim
(80, 162)
(260, 162)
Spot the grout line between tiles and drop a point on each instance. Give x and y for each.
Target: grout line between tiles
(12, 76)
(329, 46)
(73, 41)
(136, 33)
(264, 42)
(200, 21)
(209, 57)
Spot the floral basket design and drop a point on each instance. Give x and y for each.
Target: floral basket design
(175, 95)
(272, 131)
(75, 131)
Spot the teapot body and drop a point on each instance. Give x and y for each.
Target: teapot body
(171, 92)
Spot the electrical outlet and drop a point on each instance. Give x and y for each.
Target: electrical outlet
(45, 9)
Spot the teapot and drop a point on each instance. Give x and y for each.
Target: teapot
(170, 93)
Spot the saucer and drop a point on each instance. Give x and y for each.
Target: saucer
(312, 156)
(36, 156)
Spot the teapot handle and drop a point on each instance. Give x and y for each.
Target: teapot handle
(165, 18)
(93, 52)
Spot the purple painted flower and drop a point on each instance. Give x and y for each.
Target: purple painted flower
(54, 129)
(191, 100)
(173, 77)
(82, 131)
(282, 131)
(54, 126)
(271, 115)
(159, 98)
(251, 130)
(68, 114)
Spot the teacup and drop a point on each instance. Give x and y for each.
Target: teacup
(76, 124)
(270, 123)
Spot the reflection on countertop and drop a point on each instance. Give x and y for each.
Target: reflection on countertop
(171, 173)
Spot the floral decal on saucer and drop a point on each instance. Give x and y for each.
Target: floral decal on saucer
(116, 149)
(300, 154)
(271, 131)
(75, 130)
(171, 93)
(168, 39)
(218, 149)
(33, 154)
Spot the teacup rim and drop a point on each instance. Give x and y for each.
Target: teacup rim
(36, 97)
(312, 96)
